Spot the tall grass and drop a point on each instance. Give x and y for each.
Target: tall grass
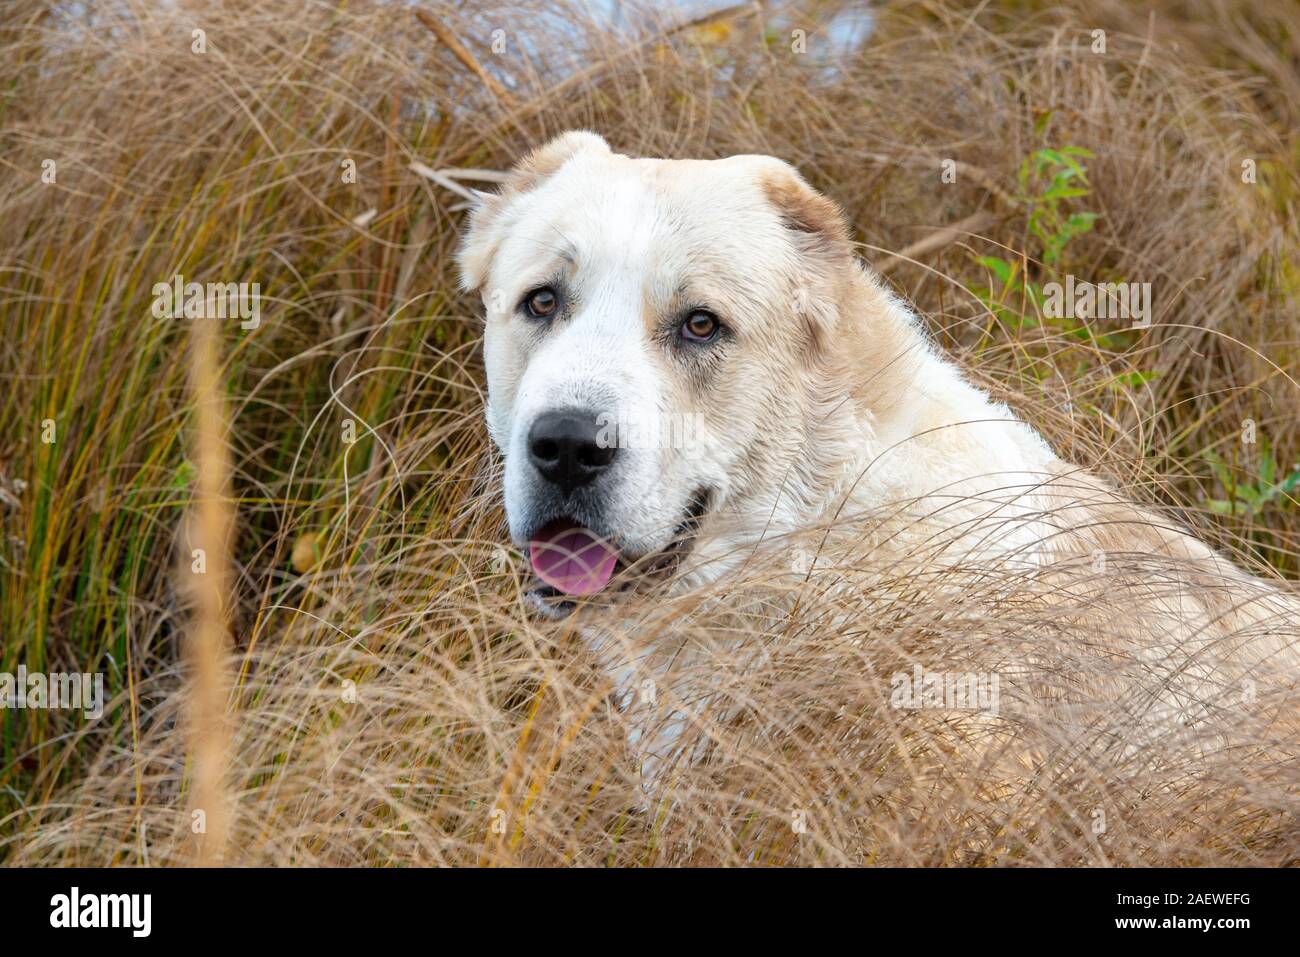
(391, 702)
(209, 580)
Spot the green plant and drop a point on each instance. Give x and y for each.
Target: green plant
(1245, 498)
(1046, 180)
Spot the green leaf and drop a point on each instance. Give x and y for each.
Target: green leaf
(998, 266)
(1289, 483)
(1065, 192)
(1267, 469)
(185, 474)
(1220, 469)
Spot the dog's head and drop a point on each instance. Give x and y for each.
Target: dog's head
(661, 345)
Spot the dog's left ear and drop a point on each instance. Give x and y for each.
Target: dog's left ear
(807, 212)
(489, 211)
(822, 241)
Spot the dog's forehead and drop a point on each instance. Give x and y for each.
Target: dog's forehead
(616, 209)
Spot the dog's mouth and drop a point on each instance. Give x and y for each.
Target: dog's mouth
(573, 562)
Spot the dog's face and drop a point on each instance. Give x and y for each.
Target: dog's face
(652, 342)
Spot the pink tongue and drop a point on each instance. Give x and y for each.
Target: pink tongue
(571, 559)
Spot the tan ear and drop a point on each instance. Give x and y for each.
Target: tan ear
(806, 211)
(482, 237)
(824, 243)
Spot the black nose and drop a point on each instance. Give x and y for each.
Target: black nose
(567, 447)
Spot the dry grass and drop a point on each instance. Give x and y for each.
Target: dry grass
(392, 703)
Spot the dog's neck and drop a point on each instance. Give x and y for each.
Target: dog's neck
(874, 374)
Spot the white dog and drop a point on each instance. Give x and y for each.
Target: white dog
(715, 310)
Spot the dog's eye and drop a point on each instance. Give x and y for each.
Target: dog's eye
(700, 326)
(541, 303)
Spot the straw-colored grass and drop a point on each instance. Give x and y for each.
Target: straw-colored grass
(393, 704)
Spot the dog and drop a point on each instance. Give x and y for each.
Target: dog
(725, 294)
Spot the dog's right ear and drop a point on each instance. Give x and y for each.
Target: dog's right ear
(488, 216)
